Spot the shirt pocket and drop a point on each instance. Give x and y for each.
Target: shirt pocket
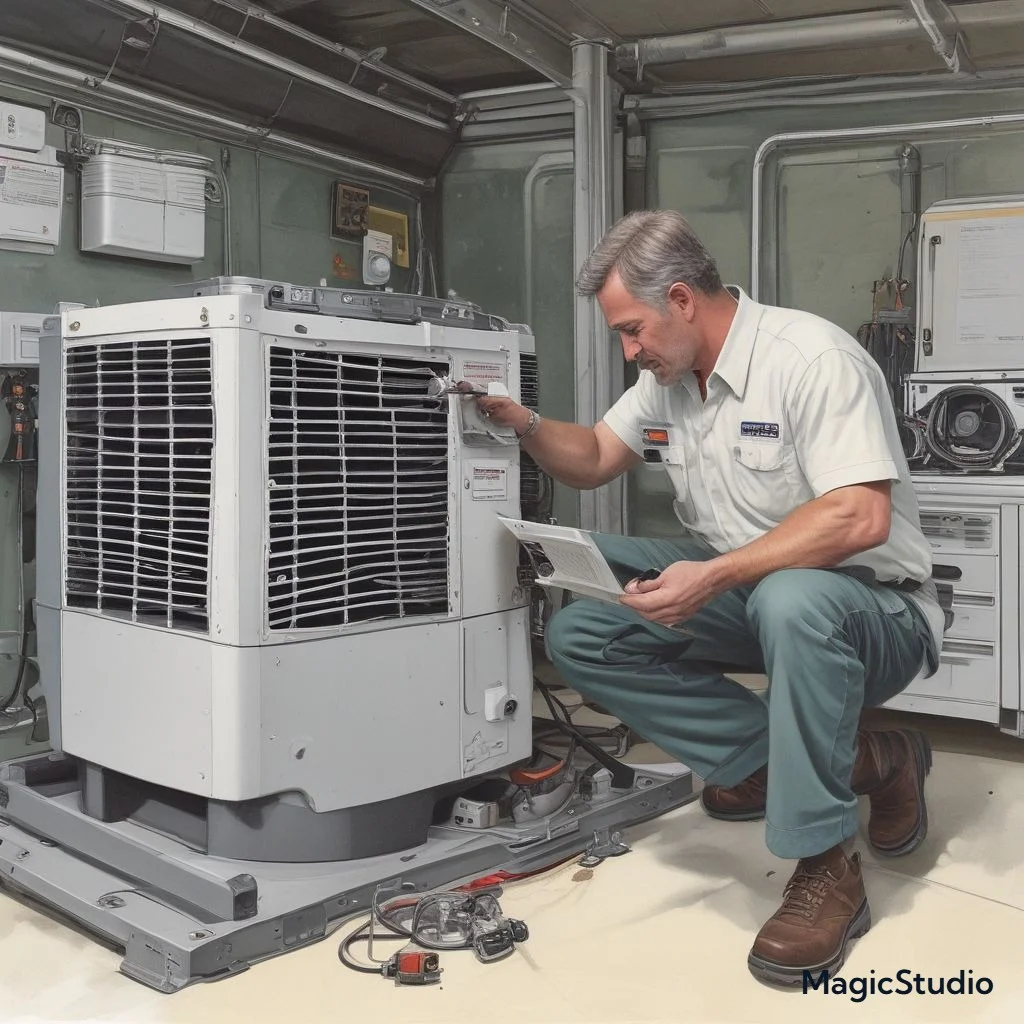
(763, 475)
(674, 461)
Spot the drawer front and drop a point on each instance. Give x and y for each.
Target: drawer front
(945, 708)
(968, 670)
(975, 574)
(950, 531)
(975, 617)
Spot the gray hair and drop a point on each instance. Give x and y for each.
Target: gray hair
(651, 250)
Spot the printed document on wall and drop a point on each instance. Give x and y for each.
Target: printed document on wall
(990, 283)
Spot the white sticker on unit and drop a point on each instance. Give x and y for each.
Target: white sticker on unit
(490, 482)
(483, 373)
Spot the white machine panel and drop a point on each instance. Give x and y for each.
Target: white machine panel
(970, 287)
(19, 338)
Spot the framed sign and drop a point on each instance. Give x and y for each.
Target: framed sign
(349, 211)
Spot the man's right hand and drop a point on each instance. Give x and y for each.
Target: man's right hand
(504, 412)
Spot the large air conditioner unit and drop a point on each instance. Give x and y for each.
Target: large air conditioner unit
(279, 614)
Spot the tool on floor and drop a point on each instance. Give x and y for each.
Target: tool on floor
(436, 922)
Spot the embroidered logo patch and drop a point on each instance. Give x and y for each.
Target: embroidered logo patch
(751, 429)
(656, 436)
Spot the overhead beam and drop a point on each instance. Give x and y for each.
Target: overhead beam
(510, 31)
(251, 12)
(192, 26)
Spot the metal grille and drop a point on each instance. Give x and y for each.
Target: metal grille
(529, 380)
(358, 467)
(139, 473)
(533, 484)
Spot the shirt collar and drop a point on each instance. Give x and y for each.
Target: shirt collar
(733, 363)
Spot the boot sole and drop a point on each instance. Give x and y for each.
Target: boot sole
(784, 974)
(922, 748)
(754, 815)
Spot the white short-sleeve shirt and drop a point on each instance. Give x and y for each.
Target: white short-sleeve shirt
(795, 408)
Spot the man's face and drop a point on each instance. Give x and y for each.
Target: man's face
(662, 342)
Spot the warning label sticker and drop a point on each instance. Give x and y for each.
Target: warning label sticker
(490, 483)
(29, 185)
(483, 373)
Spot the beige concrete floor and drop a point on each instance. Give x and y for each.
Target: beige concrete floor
(658, 935)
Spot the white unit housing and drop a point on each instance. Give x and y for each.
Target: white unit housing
(970, 304)
(19, 338)
(142, 208)
(280, 567)
(22, 128)
(974, 527)
(31, 198)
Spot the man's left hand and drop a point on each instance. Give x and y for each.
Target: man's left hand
(678, 593)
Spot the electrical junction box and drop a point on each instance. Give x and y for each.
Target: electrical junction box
(143, 209)
(31, 195)
(19, 338)
(22, 128)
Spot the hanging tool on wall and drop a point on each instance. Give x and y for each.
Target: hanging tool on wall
(20, 399)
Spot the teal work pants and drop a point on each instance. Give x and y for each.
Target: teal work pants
(829, 644)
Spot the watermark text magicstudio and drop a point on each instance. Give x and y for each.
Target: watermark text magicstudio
(903, 983)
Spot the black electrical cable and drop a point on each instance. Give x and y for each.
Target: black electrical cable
(623, 776)
(350, 940)
(903, 249)
(13, 696)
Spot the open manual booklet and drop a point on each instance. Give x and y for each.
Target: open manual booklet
(566, 558)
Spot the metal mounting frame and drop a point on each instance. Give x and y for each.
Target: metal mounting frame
(181, 917)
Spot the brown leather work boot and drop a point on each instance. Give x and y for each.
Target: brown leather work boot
(824, 908)
(890, 769)
(743, 802)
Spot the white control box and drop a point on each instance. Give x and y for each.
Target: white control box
(31, 197)
(22, 128)
(970, 303)
(143, 209)
(19, 338)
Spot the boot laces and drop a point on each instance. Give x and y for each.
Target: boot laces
(806, 891)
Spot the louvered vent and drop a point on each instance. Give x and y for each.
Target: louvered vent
(973, 531)
(532, 482)
(358, 490)
(139, 471)
(529, 381)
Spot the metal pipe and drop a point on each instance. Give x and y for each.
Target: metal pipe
(842, 135)
(271, 60)
(823, 32)
(258, 13)
(592, 208)
(771, 37)
(511, 91)
(709, 99)
(47, 71)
